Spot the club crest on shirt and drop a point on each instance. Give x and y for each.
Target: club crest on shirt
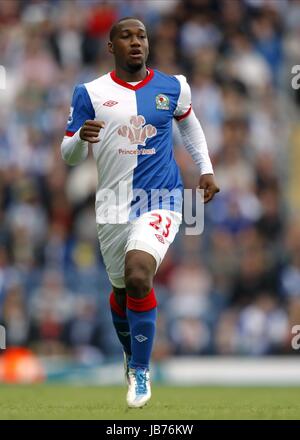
(162, 102)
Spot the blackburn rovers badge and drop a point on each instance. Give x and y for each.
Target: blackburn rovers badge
(162, 102)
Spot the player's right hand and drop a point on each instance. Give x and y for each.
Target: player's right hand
(90, 131)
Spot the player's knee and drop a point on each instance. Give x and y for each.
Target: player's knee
(138, 284)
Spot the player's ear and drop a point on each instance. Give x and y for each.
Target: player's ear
(110, 47)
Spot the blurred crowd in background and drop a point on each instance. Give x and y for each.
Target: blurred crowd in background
(234, 289)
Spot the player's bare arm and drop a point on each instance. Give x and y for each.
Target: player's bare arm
(90, 131)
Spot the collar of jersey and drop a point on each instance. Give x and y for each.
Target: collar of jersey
(130, 86)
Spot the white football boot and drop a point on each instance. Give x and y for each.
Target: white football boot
(139, 390)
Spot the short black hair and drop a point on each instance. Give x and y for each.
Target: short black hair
(114, 27)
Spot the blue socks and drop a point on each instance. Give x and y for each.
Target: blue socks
(141, 315)
(136, 329)
(121, 324)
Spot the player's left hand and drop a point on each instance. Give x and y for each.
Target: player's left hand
(208, 184)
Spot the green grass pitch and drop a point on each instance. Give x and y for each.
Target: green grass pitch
(168, 403)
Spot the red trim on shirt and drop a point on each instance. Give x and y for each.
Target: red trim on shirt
(178, 118)
(129, 86)
(69, 133)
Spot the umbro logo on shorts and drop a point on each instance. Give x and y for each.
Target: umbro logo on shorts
(141, 338)
(160, 238)
(110, 103)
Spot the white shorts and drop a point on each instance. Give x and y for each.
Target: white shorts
(153, 232)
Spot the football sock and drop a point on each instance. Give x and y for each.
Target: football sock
(141, 314)
(121, 324)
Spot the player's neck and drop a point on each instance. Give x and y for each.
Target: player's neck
(131, 76)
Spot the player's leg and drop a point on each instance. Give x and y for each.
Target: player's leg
(140, 268)
(112, 239)
(119, 318)
(147, 245)
(120, 296)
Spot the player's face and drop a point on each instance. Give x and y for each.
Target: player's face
(130, 45)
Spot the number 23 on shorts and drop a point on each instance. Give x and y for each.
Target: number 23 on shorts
(158, 225)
